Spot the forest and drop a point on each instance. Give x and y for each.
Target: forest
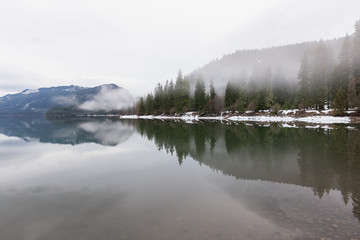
(323, 82)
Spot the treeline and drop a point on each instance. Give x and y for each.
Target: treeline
(322, 82)
(176, 98)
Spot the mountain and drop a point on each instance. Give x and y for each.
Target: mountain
(72, 131)
(242, 66)
(39, 101)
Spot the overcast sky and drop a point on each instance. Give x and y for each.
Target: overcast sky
(136, 44)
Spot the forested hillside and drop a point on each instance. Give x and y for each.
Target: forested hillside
(313, 75)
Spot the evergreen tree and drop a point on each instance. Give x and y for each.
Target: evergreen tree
(142, 108)
(269, 98)
(215, 103)
(231, 96)
(166, 97)
(149, 104)
(261, 100)
(199, 95)
(171, 98)
(356, 52)
(356, 67)
(182, 94)
(342, 71)
(158, 99)
(212, 90)
(339, 102)
(304, 82)
(352, 94)
(320, 74)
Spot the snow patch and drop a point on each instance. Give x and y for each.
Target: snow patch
(29, 91)
(285, 125)
(190, 116)
(324, 119)
(316, 126)
(26, 106)
(288, 111)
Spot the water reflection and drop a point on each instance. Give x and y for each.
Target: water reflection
(67, 131)
(274, 182)
(318, 158)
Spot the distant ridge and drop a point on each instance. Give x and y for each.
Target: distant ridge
(240, 65)
(39, 101)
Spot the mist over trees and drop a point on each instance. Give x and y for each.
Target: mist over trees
(323, 80)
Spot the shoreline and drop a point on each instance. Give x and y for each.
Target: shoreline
(288, 116)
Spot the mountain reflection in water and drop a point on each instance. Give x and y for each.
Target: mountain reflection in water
(275, 173)
(67, 131)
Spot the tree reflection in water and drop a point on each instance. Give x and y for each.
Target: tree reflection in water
(322, 159)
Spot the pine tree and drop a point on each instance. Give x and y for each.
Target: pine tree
(171, 98)
(212, 90)
(320, 75)
(158, 99)
(269, 98)
(356, 52)
(339, 102)
(231, 96)
(199, 95)
(342, 72)
(304, 82)
(182, 94)
(356, 66)
(142, 108)
(149, 104)
(166, 97)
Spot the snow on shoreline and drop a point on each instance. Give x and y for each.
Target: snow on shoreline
(190, 116)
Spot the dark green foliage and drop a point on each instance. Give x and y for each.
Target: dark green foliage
(212, 90)
(149, 104)
(232, 95)
(320, 74)
(182, 94)
(142, 108)
(356, 66)
(339, 102)
(159, 99)
(304, 82)
(170, 100)
(356, 52)
(199, 96)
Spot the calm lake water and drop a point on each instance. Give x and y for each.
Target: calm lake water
(107, 179)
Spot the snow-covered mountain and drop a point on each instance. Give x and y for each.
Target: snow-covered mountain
(39, 101)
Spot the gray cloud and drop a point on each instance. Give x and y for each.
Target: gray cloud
(140, 43)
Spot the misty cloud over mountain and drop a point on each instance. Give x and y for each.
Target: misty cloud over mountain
(110, 97)
(242, 66)
(39, 101)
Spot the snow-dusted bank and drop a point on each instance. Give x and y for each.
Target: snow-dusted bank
(312, 119)
(289, 116)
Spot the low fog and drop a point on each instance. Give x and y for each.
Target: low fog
(246, 66)
(108, 99)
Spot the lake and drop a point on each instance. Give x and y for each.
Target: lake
(150, 179)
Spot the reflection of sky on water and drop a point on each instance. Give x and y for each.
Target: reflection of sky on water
(134, 191)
